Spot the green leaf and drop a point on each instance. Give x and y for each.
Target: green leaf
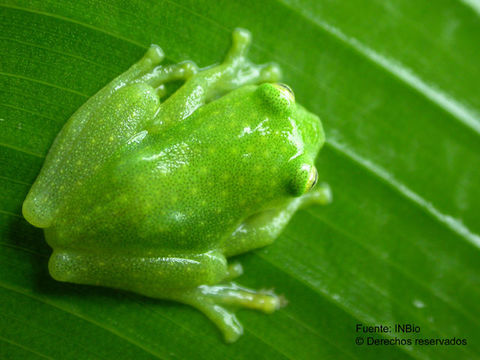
(396, 84)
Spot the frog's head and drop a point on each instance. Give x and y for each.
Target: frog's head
(301, 132)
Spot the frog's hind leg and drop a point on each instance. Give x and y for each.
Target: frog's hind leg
(149, 61)
(217, 301)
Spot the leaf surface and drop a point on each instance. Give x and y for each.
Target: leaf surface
(396, 86)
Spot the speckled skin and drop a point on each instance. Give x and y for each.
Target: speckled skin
(153, 197)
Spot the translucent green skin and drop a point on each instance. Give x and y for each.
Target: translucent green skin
(153, 197)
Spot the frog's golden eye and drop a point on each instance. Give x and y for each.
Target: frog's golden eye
(312, 181)
(305, 179)
(286, 92)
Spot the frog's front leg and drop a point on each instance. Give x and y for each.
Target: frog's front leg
(262, 229)
(163, 74)
(209, 84)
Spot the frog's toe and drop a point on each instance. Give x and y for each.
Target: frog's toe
(188, 68)
(163, 74)
(232, 294)
(153, 56)
(241, 37)
(321, 195)
(217, 301)
(270, 73)
(240, 44)
(224, 319)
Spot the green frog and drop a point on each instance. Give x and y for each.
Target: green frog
(152, 193)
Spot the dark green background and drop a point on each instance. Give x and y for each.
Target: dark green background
(396, 84)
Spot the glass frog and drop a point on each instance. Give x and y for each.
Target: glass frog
(153, 196)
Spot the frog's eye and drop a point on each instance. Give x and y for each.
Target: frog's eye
(313, 181)
(286, 92)
(278, 97)
(305, 180)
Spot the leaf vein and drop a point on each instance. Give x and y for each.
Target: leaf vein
(44, 83)
(84, 318)
(8, 341)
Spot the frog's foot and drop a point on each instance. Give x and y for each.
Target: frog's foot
(160, 75)
(216, 302)
(148, 71)
(241, 40)
(321, 195)
(239, 71)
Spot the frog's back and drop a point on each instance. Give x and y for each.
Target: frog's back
(88, 140)
(186, 188)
